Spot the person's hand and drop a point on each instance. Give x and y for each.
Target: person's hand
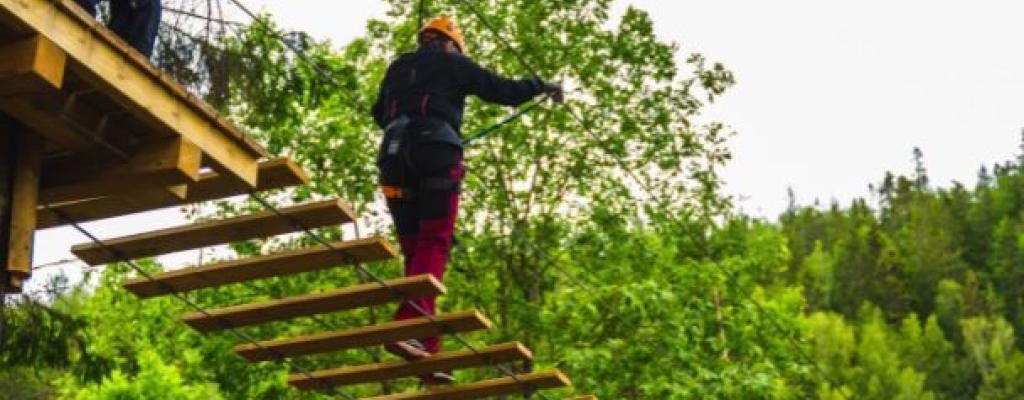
(554, 90)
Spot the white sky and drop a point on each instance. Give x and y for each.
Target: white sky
(830, 94)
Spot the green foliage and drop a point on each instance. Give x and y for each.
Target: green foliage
(952, 254)
(154, 380)
(604, 245)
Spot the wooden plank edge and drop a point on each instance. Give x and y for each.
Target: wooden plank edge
(344, 299)
(445, 361)
(367, 336)
(490, 388)
(274, 174)
(145, 288)
(96, 254)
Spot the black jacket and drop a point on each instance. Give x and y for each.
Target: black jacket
(434, 83)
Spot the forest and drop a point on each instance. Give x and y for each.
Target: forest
(597, 232)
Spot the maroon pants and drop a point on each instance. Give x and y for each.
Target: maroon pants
(426, 223)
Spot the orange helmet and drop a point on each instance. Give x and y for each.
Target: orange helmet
(446, 27)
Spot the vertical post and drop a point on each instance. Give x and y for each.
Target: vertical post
(6, 188)
(7, 162)
(24, 202)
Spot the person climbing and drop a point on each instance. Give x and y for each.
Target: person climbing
(420, 107)
(135, 21)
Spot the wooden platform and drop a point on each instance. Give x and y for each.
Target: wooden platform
(363, 337)
(260, 225)
(491, 388)
(96, 119)
(448, 361)
(320, 303)
(246, 269)
(64, 74)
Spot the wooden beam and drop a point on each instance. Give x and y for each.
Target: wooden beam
(32, 113)
(508, 386)
(274, 174)
(281, 264)
(157, 165)
(24, 203)
(30, 66)
(370, 294)
(128, 78)
(260, 225)
(447, 361)
(363, 337)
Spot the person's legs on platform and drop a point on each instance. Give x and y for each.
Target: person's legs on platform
(89, 6)
(137, 22)
(435, 213)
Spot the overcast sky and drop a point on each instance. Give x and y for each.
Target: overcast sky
(830, 94)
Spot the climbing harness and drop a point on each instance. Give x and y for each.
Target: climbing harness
(395, 155)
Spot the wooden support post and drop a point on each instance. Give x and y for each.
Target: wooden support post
(30, 66)
(162, 163)
(23, 204)
(7, 155)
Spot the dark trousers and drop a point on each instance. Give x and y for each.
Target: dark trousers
(135, 21)
(425, 220)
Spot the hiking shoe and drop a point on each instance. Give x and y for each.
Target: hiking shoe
(408, 350)
(438, 379)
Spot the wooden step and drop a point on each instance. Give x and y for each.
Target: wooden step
(281, 264)
(273, 174)
(415, 287)
(447, 361)
(259, 225)
(363, 337)
(484, 389)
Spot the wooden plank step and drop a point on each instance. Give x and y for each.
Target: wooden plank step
(259, 225)
(484, 389)
(447, 361)
(414, 287)
(363, 337)
(273, 174)
(281, 264)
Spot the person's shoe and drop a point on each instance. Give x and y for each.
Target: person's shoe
(438, 379)
(409, 350)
